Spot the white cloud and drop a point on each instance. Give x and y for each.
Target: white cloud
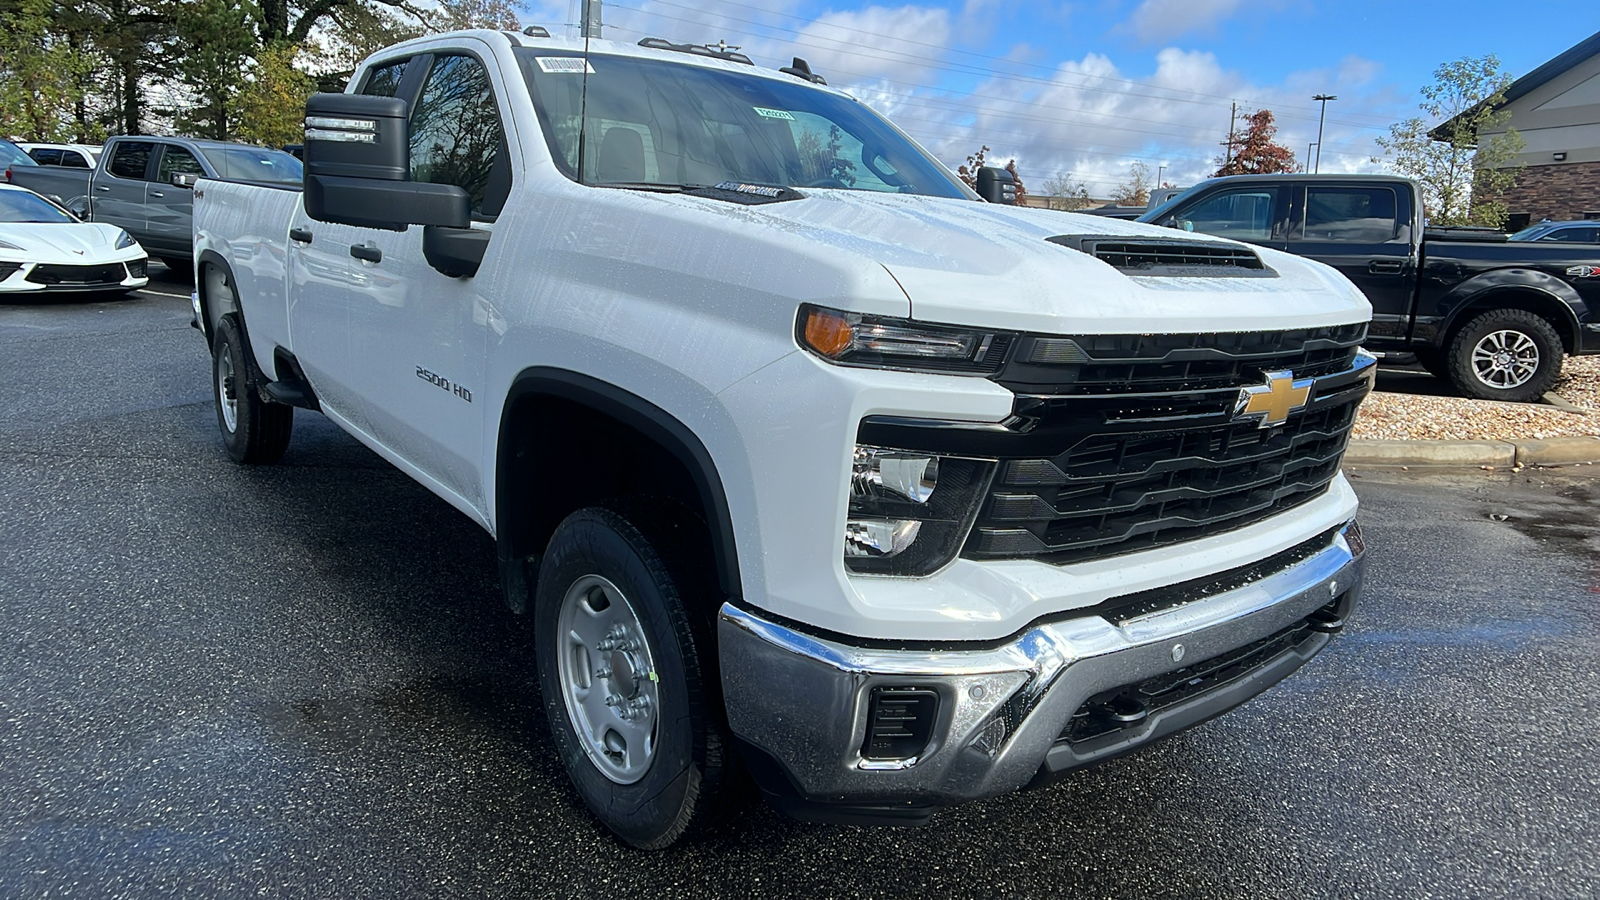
(1160, 20)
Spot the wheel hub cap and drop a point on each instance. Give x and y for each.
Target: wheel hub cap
(608, 679)
(1505, 359)
(227, 392)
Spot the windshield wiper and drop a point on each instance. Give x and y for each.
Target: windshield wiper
(647, 186)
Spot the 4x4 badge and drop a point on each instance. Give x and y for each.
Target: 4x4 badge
(1584, 271)
(1273, 401)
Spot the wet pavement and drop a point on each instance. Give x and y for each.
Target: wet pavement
(298, 681)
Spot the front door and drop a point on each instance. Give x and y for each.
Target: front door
(169, 208)
(1364, 231)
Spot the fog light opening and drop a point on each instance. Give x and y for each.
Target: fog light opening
(878, 538)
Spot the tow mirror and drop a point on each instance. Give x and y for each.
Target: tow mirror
(184, 179)
(997, 186)
(357, 158)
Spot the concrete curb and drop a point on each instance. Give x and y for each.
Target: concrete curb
(1562, 451)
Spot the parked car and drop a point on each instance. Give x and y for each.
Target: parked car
(70, 156)
(1584, 232)
(144, 185)
(796, 454)
(12, 156)
(45, 249)
(1494, 318)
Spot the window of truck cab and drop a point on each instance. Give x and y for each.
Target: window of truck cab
(653, 122)
(1351, 214)
(456, 132)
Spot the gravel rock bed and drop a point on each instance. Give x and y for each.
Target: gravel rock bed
(1390, 416)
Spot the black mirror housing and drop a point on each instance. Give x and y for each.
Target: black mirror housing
(997, 186)
(389, 205)
(357, 136)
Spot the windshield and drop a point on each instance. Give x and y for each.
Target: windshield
(24, 206)
(1155, 215)
(655, 123)
(12, 155)
(254, 164)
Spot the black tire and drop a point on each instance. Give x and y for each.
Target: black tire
(181, 269)
(654, 554)
(259, 431)
(1534, 366)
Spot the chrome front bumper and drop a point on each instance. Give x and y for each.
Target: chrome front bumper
(802, 700)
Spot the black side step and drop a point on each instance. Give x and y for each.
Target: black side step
(291, 388)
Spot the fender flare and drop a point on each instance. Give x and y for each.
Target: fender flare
(1463, 299)
(643, 416)
(211, 257)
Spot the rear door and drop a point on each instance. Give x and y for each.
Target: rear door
(45, 156)
(119, 189)
(1364, 231)
(169, 208)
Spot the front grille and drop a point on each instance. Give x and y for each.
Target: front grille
(1162, 459)
(1119, 709)
(1142, 363)
(138, 268)
(112, 273)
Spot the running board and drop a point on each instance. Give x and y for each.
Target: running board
(291, 389)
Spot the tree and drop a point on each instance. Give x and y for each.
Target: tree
(1061, 192)
(214, 46)
(39, 84)
(271, 106)
(1466, 163)
(1136, 190)
(969, 172)
(1254, 152)
(1022, 192)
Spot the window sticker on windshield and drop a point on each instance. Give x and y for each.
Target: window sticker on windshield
(564, 65)
(772, 113)
(760, 190)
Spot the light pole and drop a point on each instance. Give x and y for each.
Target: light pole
(1320, 119)
(1159, 170)
(1308, 153)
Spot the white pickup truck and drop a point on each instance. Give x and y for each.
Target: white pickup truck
(807, 465)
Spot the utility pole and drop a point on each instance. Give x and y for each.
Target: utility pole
(1320, 119)
(1227, 158)
(591, 18)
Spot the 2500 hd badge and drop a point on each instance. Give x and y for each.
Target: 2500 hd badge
(444, 383)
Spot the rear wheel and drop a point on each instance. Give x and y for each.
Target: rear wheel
(627, 670)
(255, 431)
(1506, 354)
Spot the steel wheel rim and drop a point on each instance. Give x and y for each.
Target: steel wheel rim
(227, 395)
(1505, 359)
(608, 679)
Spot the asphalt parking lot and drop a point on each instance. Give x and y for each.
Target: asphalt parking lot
(298, 681)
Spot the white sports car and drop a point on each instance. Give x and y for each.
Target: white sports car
(44, 248)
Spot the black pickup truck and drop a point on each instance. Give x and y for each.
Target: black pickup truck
(1496, 319)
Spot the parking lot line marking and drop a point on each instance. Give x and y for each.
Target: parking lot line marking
(162, 293)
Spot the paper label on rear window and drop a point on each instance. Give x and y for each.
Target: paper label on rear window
(772, 113)
(566, 65)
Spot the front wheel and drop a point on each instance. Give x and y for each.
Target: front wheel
(1505, 354)
(255, 430)
(626, 669)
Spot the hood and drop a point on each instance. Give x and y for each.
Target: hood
(986, 265)
(70, 242)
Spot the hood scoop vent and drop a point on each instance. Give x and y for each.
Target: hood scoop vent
(1168, 257)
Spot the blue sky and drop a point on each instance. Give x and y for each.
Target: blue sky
(1080, 90)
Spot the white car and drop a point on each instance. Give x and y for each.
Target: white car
(44, 248)
(71, 156)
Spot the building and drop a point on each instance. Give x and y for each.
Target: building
(1556, 109)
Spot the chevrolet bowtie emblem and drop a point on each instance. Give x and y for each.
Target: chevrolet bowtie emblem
(1274, 401)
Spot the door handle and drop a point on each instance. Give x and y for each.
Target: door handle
(301, 235)
(367, 252)
(157, 194)
(1384, 267)
(102, 187)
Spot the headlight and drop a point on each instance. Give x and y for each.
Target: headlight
(124, 240)
(910, 511)
(876, 341)
(7, 245)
